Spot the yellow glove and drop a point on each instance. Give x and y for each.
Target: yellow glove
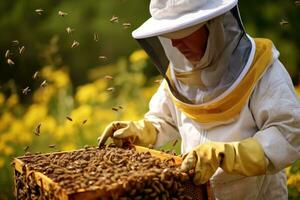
(245, 157)
(140, 132)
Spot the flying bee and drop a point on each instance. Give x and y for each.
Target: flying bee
(114, 19)
(10, 62)
(158, 81)
(62, 14)
(126, 25)
(26, 90)
(283, 22)
(21, 50)
(37, 130)
(43, 84)
(35, 75)
(96, 37)
(102, 57)
(115, 109)
(26, 148)
(69, 118)
(111, 89)
(39, 11)
(7, 53)
(174, 143)
(84, 121)
(107, 77)
(51, 145)
(70, 30)
(15, 42)
(297, 3)
(75, 44)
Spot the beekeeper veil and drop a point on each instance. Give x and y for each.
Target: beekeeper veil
(227, 50)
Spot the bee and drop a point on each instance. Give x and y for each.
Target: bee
(7, 53)
(96, 37)
(39, 11)
(120, 107)
(84, 121)
(35, 75)
(102, 57)
(69, 118)
(107, 77)
(115, 109)
(283, 22)
(75, 44)
(111, 89)
(26, 148)
(43, 84)
(126, 25)
(51, 145)
(297, 3)
(114, 19)
(21, 50)
(174, 143)
(62, 14)
(10, 62)
(70, 30)
(37, 130)
(15, 42)
(26, 90)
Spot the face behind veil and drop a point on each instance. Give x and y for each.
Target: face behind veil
(203, 80)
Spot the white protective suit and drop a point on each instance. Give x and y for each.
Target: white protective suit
(271, 115)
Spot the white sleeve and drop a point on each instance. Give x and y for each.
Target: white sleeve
(162, 114)
(276, 110)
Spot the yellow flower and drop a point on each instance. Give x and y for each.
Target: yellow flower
(44, 95)
(7, 150)
(81, 113)
(148, 92)
(60, 78)
(297, 88)
(131, 112)
(20, 133)
(48, 125)
(137, 56)
(102, 97)
(2, 98)
(5, 120)
(100, 84)
(294, 181)
(47, 71)
(86, 93)
(68, 147)
(2, 161)
(34, 115)
(12, 100)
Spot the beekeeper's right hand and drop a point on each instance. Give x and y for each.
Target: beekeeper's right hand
(140, 132)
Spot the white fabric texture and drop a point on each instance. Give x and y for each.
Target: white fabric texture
(272, 116)
(168, 15)
(213, 68)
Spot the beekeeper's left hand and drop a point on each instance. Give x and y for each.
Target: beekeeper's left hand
(245, 157)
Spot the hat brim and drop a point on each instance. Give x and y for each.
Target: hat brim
(154, 27)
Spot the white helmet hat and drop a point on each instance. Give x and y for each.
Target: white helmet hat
(170, 15)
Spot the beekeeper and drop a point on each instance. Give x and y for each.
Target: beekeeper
(225, 95)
